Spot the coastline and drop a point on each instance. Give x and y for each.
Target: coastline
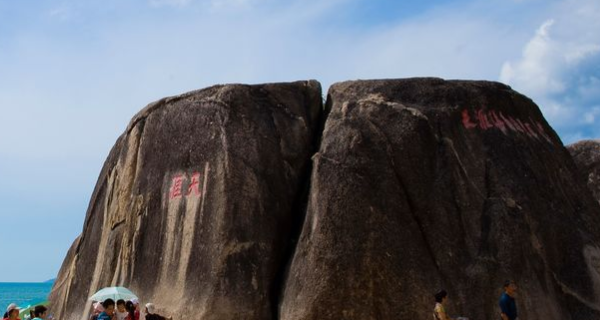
(24, 293)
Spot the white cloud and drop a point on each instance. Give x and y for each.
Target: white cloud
(537, 72)
(558, 67)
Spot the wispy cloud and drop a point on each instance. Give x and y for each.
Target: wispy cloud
(538, 70)
(559, 68)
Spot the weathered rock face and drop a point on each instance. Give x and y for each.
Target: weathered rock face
(587, 157)
(203, 206)
(425, 184)
(195, 204)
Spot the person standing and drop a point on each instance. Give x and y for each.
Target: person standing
(508, 305)
(439, 311)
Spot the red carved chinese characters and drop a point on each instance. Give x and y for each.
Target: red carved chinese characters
(180, 189)
(507, 122)
(485, 120)
(466, 120)
(541, 132)
(498, 123)
(516, 125)
(522, 126)
(194, 184)
(176, 186)
(530, 130)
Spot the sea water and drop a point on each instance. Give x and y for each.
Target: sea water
(23, 294)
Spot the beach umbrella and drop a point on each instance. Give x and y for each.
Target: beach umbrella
(25, 311)
(114, 293)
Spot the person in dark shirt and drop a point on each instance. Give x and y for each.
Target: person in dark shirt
(109, 310)
(508, 305)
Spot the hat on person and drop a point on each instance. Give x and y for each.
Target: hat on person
(135, 301)
(11, 307)
(150, 307)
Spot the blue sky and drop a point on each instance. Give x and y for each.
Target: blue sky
(73, 73)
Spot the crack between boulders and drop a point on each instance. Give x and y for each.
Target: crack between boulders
(299, 213)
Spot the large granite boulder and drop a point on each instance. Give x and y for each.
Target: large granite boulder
(195, 204)
(423, 184)
(209, 205)
(587, 157)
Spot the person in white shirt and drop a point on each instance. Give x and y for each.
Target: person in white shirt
(121, 311)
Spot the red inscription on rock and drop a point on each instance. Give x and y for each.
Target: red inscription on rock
(483, 120)
(176, 186)
(488, 119)
(179, 188)
(466, 120)
(498, 123)
(194, 184)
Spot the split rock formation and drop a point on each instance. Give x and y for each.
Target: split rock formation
(260, 202)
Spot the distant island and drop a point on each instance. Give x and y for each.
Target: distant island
(50, 281)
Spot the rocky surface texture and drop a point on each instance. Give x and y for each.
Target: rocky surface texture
(209, 206)
(587, 157)
(195, 204)
(424, 184)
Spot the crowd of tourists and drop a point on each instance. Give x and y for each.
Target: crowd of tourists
(105, 310)
(123, 310)
(36, 313)
(130, 310)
